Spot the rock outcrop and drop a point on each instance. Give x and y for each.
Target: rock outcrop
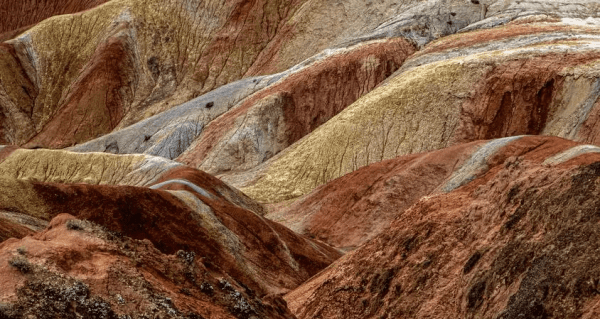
(76, 268)
(162, 205)
(515, 240)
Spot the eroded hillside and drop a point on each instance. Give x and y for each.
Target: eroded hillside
(299, 159)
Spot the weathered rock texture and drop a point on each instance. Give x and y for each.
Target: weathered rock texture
(448, 147)
(78, 268)
(350, 210)
(18, 16)
(162, 64)
(494, 83)
(517, 240)
(279, 115)
(172, 208)
(86, 74)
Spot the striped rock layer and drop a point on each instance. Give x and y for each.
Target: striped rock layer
(299, 159)
(522, 78)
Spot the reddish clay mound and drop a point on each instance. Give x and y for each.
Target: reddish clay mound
(208, 184)
(77, 269)
(12, 229)
(516, 97)
(349, 210)
(520, 241)
(258, 234)
(236, 241)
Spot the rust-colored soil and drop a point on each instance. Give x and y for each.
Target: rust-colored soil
(97, 100)
(515, 97)
(78, 267)
(19, 15)
(350, 210)
(515, 242)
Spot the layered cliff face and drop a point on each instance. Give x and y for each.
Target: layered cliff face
(299, 159)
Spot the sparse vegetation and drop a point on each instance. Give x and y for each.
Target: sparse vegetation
(47, 295)
(21, 263)
(207, 288)
(76, 224)
(22, 250)
(237, 303)
(186, 256)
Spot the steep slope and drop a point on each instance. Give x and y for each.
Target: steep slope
(352, 209)
(299, 159)
(66, 62)
(161, 63)
(172, 206)
(75, 268)
(18, 16)
(517, 239)
(274, 118)
(229, 140)
(260, 115)
(522, 78)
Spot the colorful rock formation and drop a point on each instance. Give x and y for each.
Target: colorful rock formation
(159, 204)
(299, 159)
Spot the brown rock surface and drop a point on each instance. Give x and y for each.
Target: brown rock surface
(535, 78)
(182, 211)
(352, 209)
(516, 241)
(391, 130)
(97, 101)
(257, 252)
(516, 97)
(77, 268)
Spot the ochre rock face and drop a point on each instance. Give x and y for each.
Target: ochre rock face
(78, 265)
(279, 115)
(159, 64)
(518, 82)
(350, 210)
(96, 105)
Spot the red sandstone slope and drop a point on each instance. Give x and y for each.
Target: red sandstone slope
(77, 269)
(518, 241)
(350, 210)
(256, 251)
(86, 74)
(185, 212)
(293, 107)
